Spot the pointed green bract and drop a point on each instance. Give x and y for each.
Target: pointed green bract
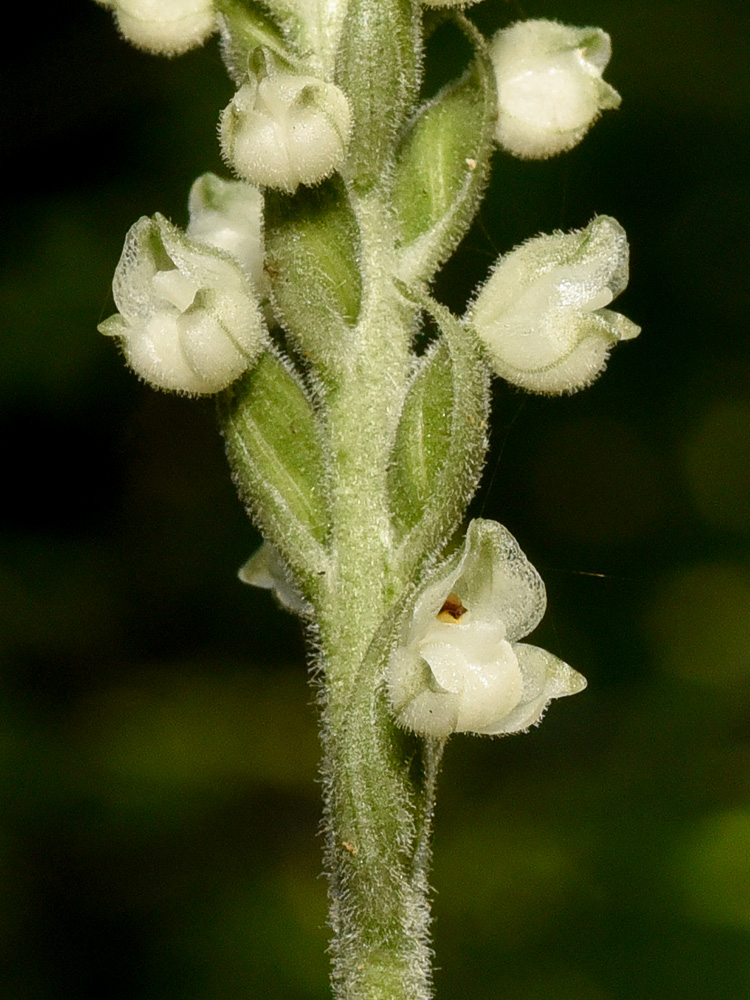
(423, 437)
(312, 248)
(245, 27)
(378, 68)
(274, 448)
(442, 166)
(441, 439)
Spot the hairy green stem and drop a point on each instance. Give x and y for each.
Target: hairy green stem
(378, 796)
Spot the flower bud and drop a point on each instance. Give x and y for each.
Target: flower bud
(549, 85)
(164, 27)
(458, 666)
(188, 320)
(541, 314)
(228, 215)
(283, 130)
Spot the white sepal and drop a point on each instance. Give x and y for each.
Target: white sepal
(458, 666)
(164, 27)
(549, 84)
(188, 318)
(282, 130)
(541, 315)
(267, 570)
(228, 215)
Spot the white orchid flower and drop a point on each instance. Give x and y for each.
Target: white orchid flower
(549, 85)
(459, 666)
(188, 317)
(542, 313)
(283, 130)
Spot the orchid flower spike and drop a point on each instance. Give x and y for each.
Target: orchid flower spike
(549, 85)
(458, 666)
(541, 315)
(188, 318)
(164, 27)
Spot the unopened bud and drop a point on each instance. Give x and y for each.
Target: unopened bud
(164, 27)
(283, 130)
(549, 85)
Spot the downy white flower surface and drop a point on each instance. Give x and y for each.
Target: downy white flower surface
(188, 318)
(228, 215)
(164, 27)
(283, 130)
(459, 666)
(542, 314)
(549, 85)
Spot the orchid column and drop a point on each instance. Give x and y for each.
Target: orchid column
(295, 295)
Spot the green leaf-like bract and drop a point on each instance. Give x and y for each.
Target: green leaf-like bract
(443, 166)
(441, 439)
(423, 437)
(245, 27)
(274, 448)
(312, 246)
(378, 68)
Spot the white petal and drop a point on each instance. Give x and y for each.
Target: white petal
(545, 677)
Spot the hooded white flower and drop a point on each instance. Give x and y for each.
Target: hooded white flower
(542, 316)
(459, 666)
(283, 130)
(188, 318)
(549, 85)
(164, 27)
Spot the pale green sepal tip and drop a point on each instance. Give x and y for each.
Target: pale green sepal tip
(113, 326)
(266, 569)
(546, 678)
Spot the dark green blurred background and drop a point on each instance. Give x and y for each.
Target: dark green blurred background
(158, 825)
